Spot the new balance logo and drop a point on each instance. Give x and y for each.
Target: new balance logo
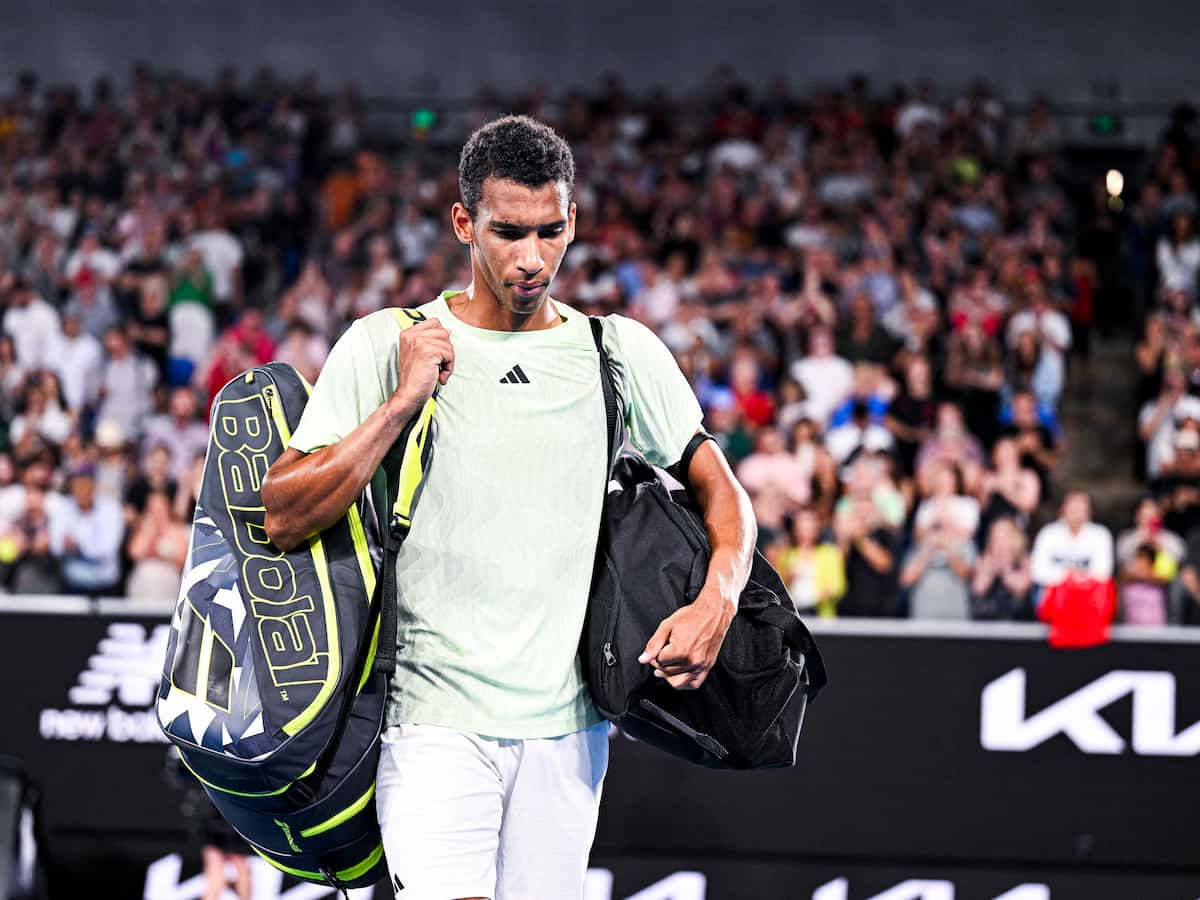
(515, 376)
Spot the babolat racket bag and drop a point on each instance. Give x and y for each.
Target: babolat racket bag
(652, 560)
(277, 665)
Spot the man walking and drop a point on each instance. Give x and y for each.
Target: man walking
(493, 758)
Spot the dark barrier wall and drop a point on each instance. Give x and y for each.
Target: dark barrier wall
(454, 46)
(936, 766)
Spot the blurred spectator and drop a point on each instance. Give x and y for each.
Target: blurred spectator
(1168, 548)
(946, 509)
(78, 360)
(128, 385)
(1035, 439)
(912, 415)
(1008, 490)
(85, 535)
(950, 444)
(26, 563)
(1072, 544)
(869, 545)
(158, 549)
(31, 322)
(811, 566)
(1178, 256)
(182, 434)
(223, 256)
(827, 379)
(1002, 581)
(771, 468)
(1161, 417)
(937, 571)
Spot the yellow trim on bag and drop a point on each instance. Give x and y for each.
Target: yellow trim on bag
(349, 874)
(345, 815)
(317, 549)
(412, 468)
(217, 787)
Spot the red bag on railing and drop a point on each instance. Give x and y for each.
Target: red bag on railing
(1079, 609)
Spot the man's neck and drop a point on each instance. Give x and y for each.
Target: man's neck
(478, 306)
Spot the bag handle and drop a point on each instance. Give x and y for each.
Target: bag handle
(403, 472)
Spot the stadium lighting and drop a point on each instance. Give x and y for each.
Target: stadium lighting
(1114, 181)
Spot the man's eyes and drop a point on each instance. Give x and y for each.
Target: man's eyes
(544, 233)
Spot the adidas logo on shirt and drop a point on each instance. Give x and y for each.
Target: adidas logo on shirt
(515, 376)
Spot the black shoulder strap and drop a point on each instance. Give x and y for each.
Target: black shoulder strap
(612, 416)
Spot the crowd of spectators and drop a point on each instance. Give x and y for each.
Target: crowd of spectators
(878, 300)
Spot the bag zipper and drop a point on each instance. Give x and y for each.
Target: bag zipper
(707, 742)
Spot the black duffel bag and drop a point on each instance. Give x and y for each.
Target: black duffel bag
(652, 559)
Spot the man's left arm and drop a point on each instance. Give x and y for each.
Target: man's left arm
(685, 646)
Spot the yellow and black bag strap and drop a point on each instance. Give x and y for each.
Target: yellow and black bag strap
(403, 475)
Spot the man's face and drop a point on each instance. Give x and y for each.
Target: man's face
(518, 238)
(1077, 510)
(83, 489)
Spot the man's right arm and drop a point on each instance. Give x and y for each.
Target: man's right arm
(304, 493)
(347, 429)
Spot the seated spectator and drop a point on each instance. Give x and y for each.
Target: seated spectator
(1144, 588)
(1177, 486)
(1036, 441)
(724, 421)
(190, 319)
(180, 431)
(85, 536)
(1161, 417)
(1148, 531)
(869, 545)
(1000, 587)
(863, 339)
(1050, 332)
(827, 379)
(912, 415)
(31, 322)
(937, 570)
(816, 462)
(93, 304)
(771, 468)
(158, 549)
(30, 568)
(873, 388)
(812, 567)
(1072, 544)
(758, 409)
(303, 349)
(41, 421)
(1007, 490)
(858, 434)
(127, 391)
(78, 360)
(950, 443)
(148, 326)
(1178, 257)
(946, 508)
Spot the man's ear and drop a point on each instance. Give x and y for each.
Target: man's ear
(460, 220)
(571, 222)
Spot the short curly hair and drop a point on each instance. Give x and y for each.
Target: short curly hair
(516, 148)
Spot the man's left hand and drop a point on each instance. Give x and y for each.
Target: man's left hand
(684, 647)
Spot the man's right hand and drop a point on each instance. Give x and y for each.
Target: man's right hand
(426, 360)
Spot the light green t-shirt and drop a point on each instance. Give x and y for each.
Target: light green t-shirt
(493, 578)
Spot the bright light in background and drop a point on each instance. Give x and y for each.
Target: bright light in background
(1114, 181)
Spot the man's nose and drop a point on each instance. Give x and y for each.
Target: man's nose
(530, 259)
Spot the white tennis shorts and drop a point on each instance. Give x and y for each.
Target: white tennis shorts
(469, 816)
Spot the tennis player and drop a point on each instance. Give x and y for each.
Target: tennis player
(493, 758)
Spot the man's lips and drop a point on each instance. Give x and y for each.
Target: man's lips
(528, 287)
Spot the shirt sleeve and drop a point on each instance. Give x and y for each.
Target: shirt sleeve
(348, 390)
(661, 410)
